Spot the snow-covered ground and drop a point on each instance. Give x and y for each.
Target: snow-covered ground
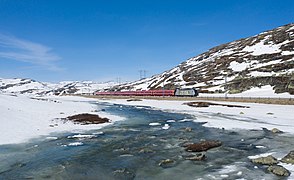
(23, 118)
(262, 92)
(258, 116)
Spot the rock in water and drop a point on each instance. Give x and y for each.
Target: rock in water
(289, 158)
(276, 131)
(278, 170)
(269, 160)
(85, 119)
(166, 162)
(202, 146)
(123, 174)
(188, 129)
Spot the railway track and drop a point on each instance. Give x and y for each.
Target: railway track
(263, 100)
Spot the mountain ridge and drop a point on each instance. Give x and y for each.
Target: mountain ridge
(30, 86)
(263, 59)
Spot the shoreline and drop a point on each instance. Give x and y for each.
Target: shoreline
(31, 122)
(25, 118)
(260, 100)
(256, 117)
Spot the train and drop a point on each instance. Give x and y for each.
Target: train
(180, 92)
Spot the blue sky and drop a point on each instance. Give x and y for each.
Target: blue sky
(55, 40)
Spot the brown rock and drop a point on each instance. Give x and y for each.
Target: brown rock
(165, 162)
(188, 129)
(202, 146)
(85, 119)
(134, 99)
(276, 131)
(289, 158)
(269, 160)
(278, 170)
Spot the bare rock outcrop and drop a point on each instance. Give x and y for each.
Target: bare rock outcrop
(202, 146)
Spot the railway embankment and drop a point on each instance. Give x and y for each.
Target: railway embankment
(262, 100)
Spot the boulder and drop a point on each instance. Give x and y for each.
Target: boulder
(278, 170)
(165, 162)
(276, 131)
(269, 160)
(123, 174)
(289, 158)
(85, 119)
(146, 150)
(134, 99)
(202, 146)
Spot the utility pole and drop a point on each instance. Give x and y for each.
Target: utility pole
(118, 80)
(142, 74)
(226, 88)
(163, 89)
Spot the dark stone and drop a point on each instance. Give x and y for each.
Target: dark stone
(123, 174)
(188, 129)
(207, 104)
(289, 158)
(278, 170)
(269, 160)
(276, 131)
(85, 119)
(166, 162)
(202, 146)
(134, 99)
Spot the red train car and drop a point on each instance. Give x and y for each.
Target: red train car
(138, 93)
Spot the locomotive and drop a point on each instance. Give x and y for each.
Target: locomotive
(191, 92)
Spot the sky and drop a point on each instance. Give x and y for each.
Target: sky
(103, 40)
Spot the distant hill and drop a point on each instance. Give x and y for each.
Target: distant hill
(262, 60)
(29, 86)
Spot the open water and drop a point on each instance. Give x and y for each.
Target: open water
(132, 149)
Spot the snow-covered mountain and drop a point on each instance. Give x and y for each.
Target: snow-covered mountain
(264, 59)
(29, 86)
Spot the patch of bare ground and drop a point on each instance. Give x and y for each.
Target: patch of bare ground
(85, 119)
(207, 104)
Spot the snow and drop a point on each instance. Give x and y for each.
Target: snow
(18, 85)
(285, 53)
(259, 74)
(260, 155)
(82, 136)
(165, 127)
(154, 124)
(255, 117)
(75, 144)
(235, 66)
(261, 48)
(23, 118)
(255, 92)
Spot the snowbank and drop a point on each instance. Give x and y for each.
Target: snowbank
(255, 92)
(258, 116)
(23, 118)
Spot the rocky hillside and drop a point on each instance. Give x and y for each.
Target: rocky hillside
(264, 59)
(29, 86)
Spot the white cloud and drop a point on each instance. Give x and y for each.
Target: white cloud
(29, 52)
